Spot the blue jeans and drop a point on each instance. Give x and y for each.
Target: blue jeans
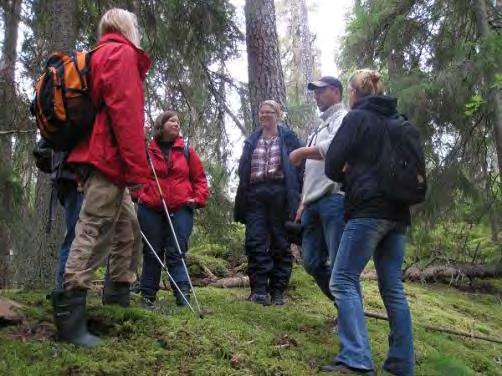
(323, 226)
(385, 241)
(156, 228)
(71, 199)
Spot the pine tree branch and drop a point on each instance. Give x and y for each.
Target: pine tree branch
(379, 316)
(15, 131)
(221, 102)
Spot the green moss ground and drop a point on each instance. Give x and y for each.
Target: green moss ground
(289, 340)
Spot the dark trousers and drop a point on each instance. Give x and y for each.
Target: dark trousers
(270, 260)
(71, 199)
(156, 228)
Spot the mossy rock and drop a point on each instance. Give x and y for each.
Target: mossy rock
(218, 266)
(229, 253)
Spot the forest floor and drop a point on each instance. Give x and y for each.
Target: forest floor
(241, 338)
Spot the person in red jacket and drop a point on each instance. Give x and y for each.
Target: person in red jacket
(183, 184)
(110, 163)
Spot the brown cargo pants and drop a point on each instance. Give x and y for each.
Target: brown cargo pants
(107, 224)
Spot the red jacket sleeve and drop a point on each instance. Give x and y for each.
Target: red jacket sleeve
(198, 179)
(123, 97)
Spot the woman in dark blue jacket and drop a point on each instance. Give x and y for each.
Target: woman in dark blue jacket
(375, 228)
(268, 195)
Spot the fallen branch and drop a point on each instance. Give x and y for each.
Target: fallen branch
(10, 311)
(239, 281)
(209, 274)
(379, 316)
(452, 272)
(444, 273)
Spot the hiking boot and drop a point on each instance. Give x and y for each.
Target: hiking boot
(277, 297)
(148, 302)
(116, 293)
(342, 369)
(69, 316)
(185, 290)
(135, 287)
(262, 299)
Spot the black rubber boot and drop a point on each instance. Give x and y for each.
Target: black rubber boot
(257, 298)
(69, 315)
(277, 297)
(117, 293)
(185, 289)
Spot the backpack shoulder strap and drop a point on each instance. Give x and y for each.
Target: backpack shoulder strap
(186, 150)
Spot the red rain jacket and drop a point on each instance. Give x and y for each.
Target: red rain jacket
(180, 178)
(116, 145)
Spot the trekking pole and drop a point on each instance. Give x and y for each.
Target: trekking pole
(174, 233)
(167, 271)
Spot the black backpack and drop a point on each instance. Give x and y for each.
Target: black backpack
(402, 164)
(54, 163)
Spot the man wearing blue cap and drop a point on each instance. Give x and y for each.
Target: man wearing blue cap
(321, 209)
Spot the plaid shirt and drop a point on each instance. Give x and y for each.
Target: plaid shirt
(266, 161)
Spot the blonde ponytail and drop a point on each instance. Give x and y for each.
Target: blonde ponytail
(367, 82)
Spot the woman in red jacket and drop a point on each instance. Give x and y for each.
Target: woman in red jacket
(184, 186)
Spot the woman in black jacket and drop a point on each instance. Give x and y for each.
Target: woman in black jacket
(267, 196)
(375, 228)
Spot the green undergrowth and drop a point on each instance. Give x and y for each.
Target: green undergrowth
(240, 338)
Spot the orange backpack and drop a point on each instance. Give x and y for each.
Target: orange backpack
(62, 106)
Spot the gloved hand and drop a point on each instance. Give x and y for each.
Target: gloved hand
(294, 232)
(43, 156)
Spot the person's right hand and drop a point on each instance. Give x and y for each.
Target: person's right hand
(299, 213)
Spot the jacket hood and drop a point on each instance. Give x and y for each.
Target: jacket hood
(382, 104)
(144, 61)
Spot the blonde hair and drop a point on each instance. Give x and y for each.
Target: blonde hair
(366, 82)
(276, 106)
(120, 21)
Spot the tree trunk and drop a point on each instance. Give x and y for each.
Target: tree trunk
(300, 71)
(490, 198)
(495, 95)
(41, 265)
(266, 79)
(11, 11)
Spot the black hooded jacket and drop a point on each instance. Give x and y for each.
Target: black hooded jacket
(357, 145)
